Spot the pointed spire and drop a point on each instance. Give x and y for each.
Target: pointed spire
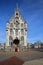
(17, 7)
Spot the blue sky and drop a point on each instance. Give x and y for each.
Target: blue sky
(31, 10)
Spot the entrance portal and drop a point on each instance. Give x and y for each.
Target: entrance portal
(16, 49)
(16, 42)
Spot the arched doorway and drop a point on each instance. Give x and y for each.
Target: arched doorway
(16, 42)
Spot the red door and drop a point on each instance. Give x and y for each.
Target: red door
(16, 49)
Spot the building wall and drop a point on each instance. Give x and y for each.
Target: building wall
(16, 24)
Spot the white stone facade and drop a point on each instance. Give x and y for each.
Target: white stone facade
(16, 27)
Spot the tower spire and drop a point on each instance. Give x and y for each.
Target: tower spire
(17, 7)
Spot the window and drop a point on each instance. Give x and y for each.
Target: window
(17, 25)
(16, 13)
(11, 25)
(21, 24)
(11, 31)
(22, 40)
(10, 40)
(22, 31)
(17, 22)
(17, 16)
(16, 31)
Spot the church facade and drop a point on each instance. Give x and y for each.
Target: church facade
(16, 28)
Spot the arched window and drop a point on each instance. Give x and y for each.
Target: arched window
(16, 13)
(10, 40)
(21, 24)
(22, 31)
(22, 40)
(11, 24)
(16, 31)
(17, 24)
(11, 31)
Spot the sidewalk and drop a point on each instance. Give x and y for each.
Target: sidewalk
(34, 62)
